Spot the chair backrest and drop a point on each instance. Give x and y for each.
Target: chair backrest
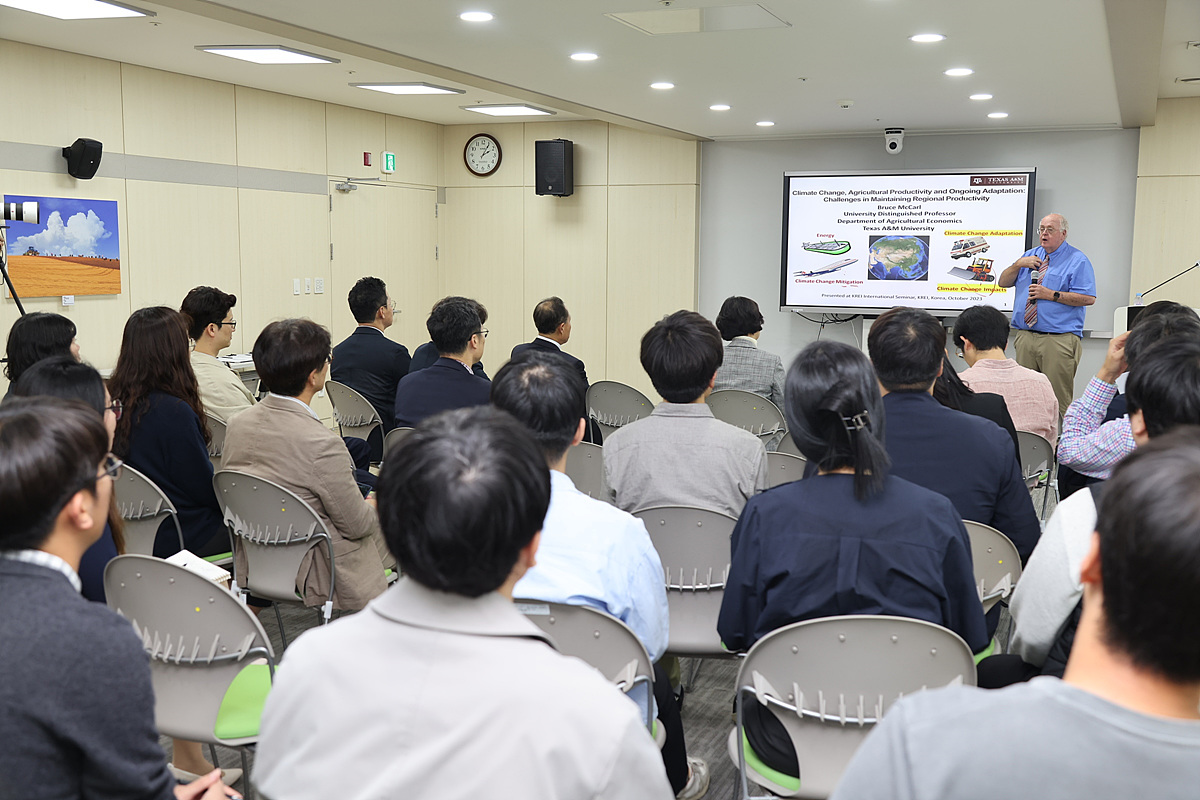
(353, 413)
(788, 446)
(693, 545)
(143, 507)
(198, 635)
(749, 411)
(829, 680)
(596, 638)
(275, 530)
(1037, 457)
(784, 468)
(216, 447)
(614, 404)
(393, 438)
(997, 563)
(585, 468)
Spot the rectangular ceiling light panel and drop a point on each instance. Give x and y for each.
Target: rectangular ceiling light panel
(77, 9)
(408, 88)
(662, 22)
(507, 110)
(266, 54)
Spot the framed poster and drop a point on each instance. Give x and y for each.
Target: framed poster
(73, 249)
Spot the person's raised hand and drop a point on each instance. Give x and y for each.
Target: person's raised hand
(1114, 360)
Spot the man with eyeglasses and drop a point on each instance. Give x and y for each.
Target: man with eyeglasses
(367, 360)
(209, 315)
(459, 337)
(1055, 284)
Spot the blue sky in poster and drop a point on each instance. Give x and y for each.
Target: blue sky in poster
(67, 227)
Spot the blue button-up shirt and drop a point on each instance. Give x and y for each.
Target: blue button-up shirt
(1069, 271)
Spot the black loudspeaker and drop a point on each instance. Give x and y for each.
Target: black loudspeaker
(554, 167)
(83, 158)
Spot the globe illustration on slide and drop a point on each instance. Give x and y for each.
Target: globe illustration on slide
(898, 258)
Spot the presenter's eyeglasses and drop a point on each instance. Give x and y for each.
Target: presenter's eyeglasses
(1046, 229)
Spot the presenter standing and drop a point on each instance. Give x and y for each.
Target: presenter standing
(1054, 284)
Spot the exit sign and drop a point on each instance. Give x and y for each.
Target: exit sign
(389, 163)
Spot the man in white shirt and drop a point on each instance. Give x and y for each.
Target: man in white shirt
(209, 315)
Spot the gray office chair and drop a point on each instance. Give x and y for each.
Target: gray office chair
(211, 663)
(749, 411)
(585, 468)
(783, 468)
(275, 530)
(354, 414)
(788, 445)
(829, 681)
(144, 507)
(217, 446)
(997, 563)
(1037, 466)
(612, 404)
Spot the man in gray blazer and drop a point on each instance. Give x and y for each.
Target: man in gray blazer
(282, 439)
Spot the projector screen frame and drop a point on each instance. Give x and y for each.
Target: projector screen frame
(872, 311)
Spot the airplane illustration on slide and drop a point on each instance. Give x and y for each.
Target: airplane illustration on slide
(834, 267)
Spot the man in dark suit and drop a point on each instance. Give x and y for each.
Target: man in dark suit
(459, 336)
(367, 361)
(968, 459)
(425, 355)
(553, 323)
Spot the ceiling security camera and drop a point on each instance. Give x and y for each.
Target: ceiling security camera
(893, 140)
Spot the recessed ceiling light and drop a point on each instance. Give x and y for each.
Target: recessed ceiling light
(584, 56)
(77, 9)
(662, 85)
(508, 110)
(959, 72)
(926, 38)
(983, 96)
(408, 88)
(998, 115)
(718, 107)
(475, 16)
(266, 54)
(766, 123)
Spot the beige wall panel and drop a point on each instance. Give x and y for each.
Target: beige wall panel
(590, 152)
(82, 96)
(482, 258)
(512, 150)
(278, 131)
(642, 158)
(418, 149)
(411, 271)
(183, 236)
(1169, 146)
(168, 115)
(350, 132)
(651, 269)
(282, 236)
(566, 254)
(1164, 224)
(358, 226)
(98, 318)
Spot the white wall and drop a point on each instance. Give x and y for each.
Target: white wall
(1089, 176)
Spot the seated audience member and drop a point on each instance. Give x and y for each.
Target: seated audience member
(35, 336)
(591, 553)
(67, 379)
(367, 360)
(981, 335)
(208, 313)
(553, 323)
(851, 539)
(950, 391)
(681, 455)
(163, 432)
(744, 365)
(1090, 446)
(966, 458)
(1163, 393)
(283, 440)
(459, 335)
(1123, 722)
(427, 354)
(451, 685)
(78, 708)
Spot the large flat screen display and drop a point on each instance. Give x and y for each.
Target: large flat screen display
(858, 242)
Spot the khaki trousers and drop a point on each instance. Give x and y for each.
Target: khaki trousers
(1055, 355)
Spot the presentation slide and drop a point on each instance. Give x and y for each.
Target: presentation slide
(862, 243)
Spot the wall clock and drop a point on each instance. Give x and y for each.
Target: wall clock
(482, 154)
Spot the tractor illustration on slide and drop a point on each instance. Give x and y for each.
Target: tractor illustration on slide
(980, 269)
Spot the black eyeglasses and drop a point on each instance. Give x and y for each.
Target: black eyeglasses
(113, 466)
(482, 332)
(232, 323)
(117, 407)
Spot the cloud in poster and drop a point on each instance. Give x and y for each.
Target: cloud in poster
(80, 235)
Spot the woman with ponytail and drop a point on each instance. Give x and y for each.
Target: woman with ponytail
(848, 539)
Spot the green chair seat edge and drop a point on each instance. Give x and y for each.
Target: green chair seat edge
(242, 706)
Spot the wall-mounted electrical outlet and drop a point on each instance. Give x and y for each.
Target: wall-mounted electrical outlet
(318, 286)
